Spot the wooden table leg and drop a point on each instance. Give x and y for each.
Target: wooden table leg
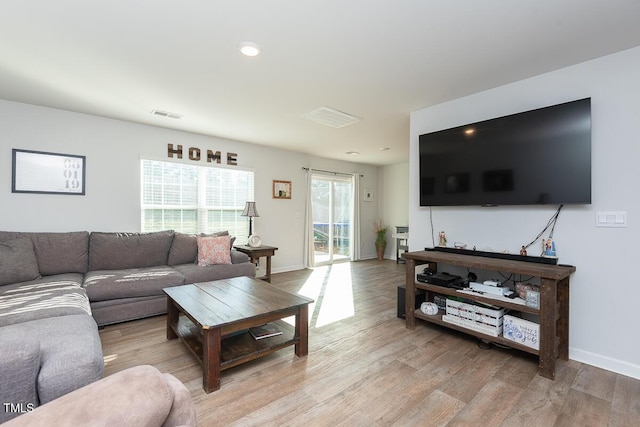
(211, 348)
(267, 278)
(172, 319)
(410, 295)
(548, 310)
(562, 330)
(302, 330)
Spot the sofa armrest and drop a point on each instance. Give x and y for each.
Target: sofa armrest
(138, 396)
(19, 367)
(183, 412)
(238, 257)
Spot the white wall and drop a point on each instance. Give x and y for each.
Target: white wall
(395, 210)
(604, 290)
(113, 149)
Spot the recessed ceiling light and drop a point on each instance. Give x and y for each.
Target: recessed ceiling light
(353, 153)
(249, 48)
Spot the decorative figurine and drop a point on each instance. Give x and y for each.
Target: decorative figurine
(549, 248)
(523, 251)
(443, 239)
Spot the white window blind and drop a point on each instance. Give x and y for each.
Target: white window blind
(195, 199)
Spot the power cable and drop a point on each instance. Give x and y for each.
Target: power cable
(551, 223)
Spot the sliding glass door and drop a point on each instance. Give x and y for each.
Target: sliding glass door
(331, 201)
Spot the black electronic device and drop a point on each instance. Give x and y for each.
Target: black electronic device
(498, 255)
(442, 279)
(420, 297)
(541, 156)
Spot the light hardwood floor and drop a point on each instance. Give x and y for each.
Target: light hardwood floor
(365, 368)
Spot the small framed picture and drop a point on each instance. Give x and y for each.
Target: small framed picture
(281, 189)
(367, 196)
(47, 173)
(533, 299)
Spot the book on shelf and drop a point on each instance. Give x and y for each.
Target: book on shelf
(265, 331)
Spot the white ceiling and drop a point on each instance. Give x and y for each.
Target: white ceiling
(375, 59)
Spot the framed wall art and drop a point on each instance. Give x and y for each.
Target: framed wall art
(281, 189)
(47, 173)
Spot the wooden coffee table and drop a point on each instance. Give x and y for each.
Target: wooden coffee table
(213, 318)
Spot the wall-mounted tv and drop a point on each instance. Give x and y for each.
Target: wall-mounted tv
(541, 156)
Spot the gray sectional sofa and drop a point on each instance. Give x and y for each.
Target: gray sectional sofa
(57, 288)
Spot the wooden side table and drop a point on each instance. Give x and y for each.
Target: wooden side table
(256, 253)
(402, 245)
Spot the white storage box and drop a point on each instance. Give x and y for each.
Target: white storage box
(494, 331)
(486, 315)
(521, 331)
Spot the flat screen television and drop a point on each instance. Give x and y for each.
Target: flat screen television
(541, 156)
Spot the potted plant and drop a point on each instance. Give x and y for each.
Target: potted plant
(381, 238)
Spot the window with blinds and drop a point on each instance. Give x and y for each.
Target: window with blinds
(195, 199)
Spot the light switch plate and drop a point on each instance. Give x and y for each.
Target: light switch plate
(616, 219)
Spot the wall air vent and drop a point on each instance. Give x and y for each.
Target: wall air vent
(166, 114)
(331, 117)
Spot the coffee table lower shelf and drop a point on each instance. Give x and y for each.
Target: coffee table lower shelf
(237, 348)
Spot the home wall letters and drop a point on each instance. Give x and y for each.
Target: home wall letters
(195, 154)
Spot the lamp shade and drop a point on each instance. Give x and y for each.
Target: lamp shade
(250, 210)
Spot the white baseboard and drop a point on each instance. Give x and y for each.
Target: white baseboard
(287, 268)
(604, 362)
(302, 267)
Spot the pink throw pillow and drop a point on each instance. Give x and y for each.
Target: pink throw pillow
(214, 250)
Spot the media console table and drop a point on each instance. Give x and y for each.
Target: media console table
(554, 301)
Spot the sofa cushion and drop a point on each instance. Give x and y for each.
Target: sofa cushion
(19, 366)
(50, 296)
(70, 352)
(57, 253)
(18, 261)
(214, 250)
(120, 310)
(194, 274)
(184, 249)
(118, 251)
(134, 282)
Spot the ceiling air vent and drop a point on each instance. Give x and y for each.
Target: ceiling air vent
(166, 114)
(330, 117)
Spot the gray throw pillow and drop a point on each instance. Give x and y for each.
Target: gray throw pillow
(184, 249)
(18, 261)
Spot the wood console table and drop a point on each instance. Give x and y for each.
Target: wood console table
(256, 253)
(554, 301)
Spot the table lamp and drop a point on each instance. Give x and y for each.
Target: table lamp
(250, 211)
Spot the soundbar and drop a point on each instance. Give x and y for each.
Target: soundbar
(498, 255)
